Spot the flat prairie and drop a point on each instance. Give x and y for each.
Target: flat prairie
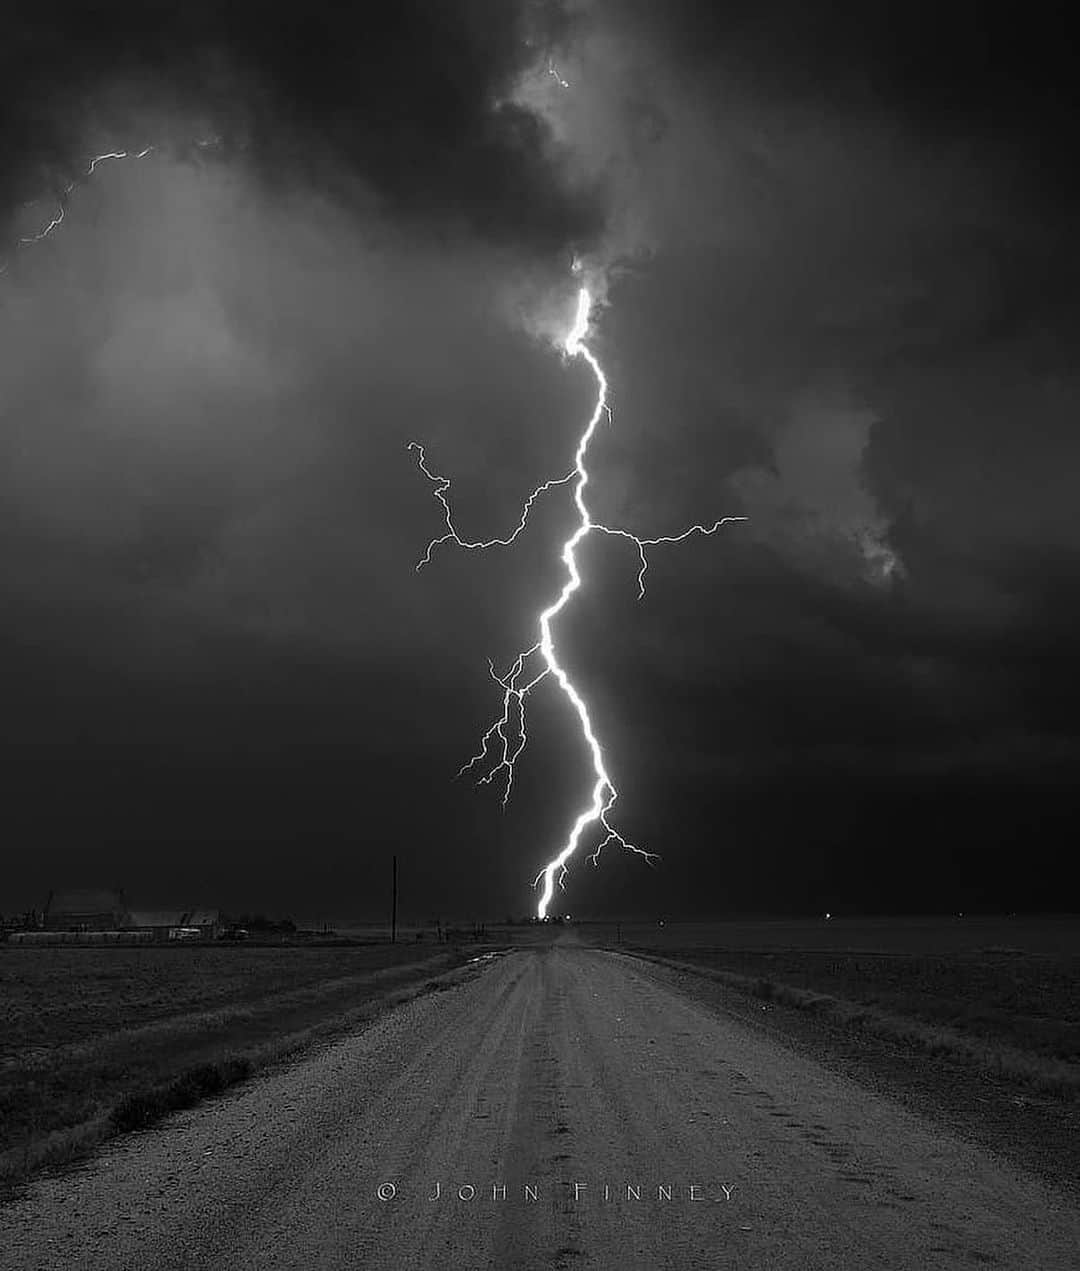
(1001, 991)
(101, 1039)
(559, 1106)
(974, 1020)
(1050, 935)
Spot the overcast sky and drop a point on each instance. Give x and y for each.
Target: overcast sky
(837, 293)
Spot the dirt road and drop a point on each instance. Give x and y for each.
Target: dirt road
(477, 1110)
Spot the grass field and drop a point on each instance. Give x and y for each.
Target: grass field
(98, 1040)
(999, 994)
(1056, 936)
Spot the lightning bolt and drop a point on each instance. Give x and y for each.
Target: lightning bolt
(62, 203)
(503, 743)
(61, 209)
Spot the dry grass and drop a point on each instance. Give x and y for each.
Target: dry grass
(999, 1010)
(105, 1040)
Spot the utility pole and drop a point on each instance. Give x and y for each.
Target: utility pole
(393, 906)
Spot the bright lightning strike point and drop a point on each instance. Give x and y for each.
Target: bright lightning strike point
(503, 743)
(553, 72)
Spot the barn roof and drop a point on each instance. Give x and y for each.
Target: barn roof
(203, 917)
(157, 917)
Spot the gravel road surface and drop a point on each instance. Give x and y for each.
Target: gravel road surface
(563, 1107)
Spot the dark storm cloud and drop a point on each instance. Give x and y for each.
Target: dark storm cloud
(841, 297)
(854, 310)
(861, 252)
(409, 100)
(948, 70)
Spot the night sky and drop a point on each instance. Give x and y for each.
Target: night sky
(838, 294)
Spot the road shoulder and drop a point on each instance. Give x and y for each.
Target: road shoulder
(1035, 1134)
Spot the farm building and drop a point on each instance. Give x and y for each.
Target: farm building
(89, 910)
(80, 937)
(163, 924)
(104, 910)
(178, 924)
(207, 922)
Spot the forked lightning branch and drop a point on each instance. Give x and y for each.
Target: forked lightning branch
(504, 742)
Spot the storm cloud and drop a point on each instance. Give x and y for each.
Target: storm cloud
(403, 107)
(837, 293)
